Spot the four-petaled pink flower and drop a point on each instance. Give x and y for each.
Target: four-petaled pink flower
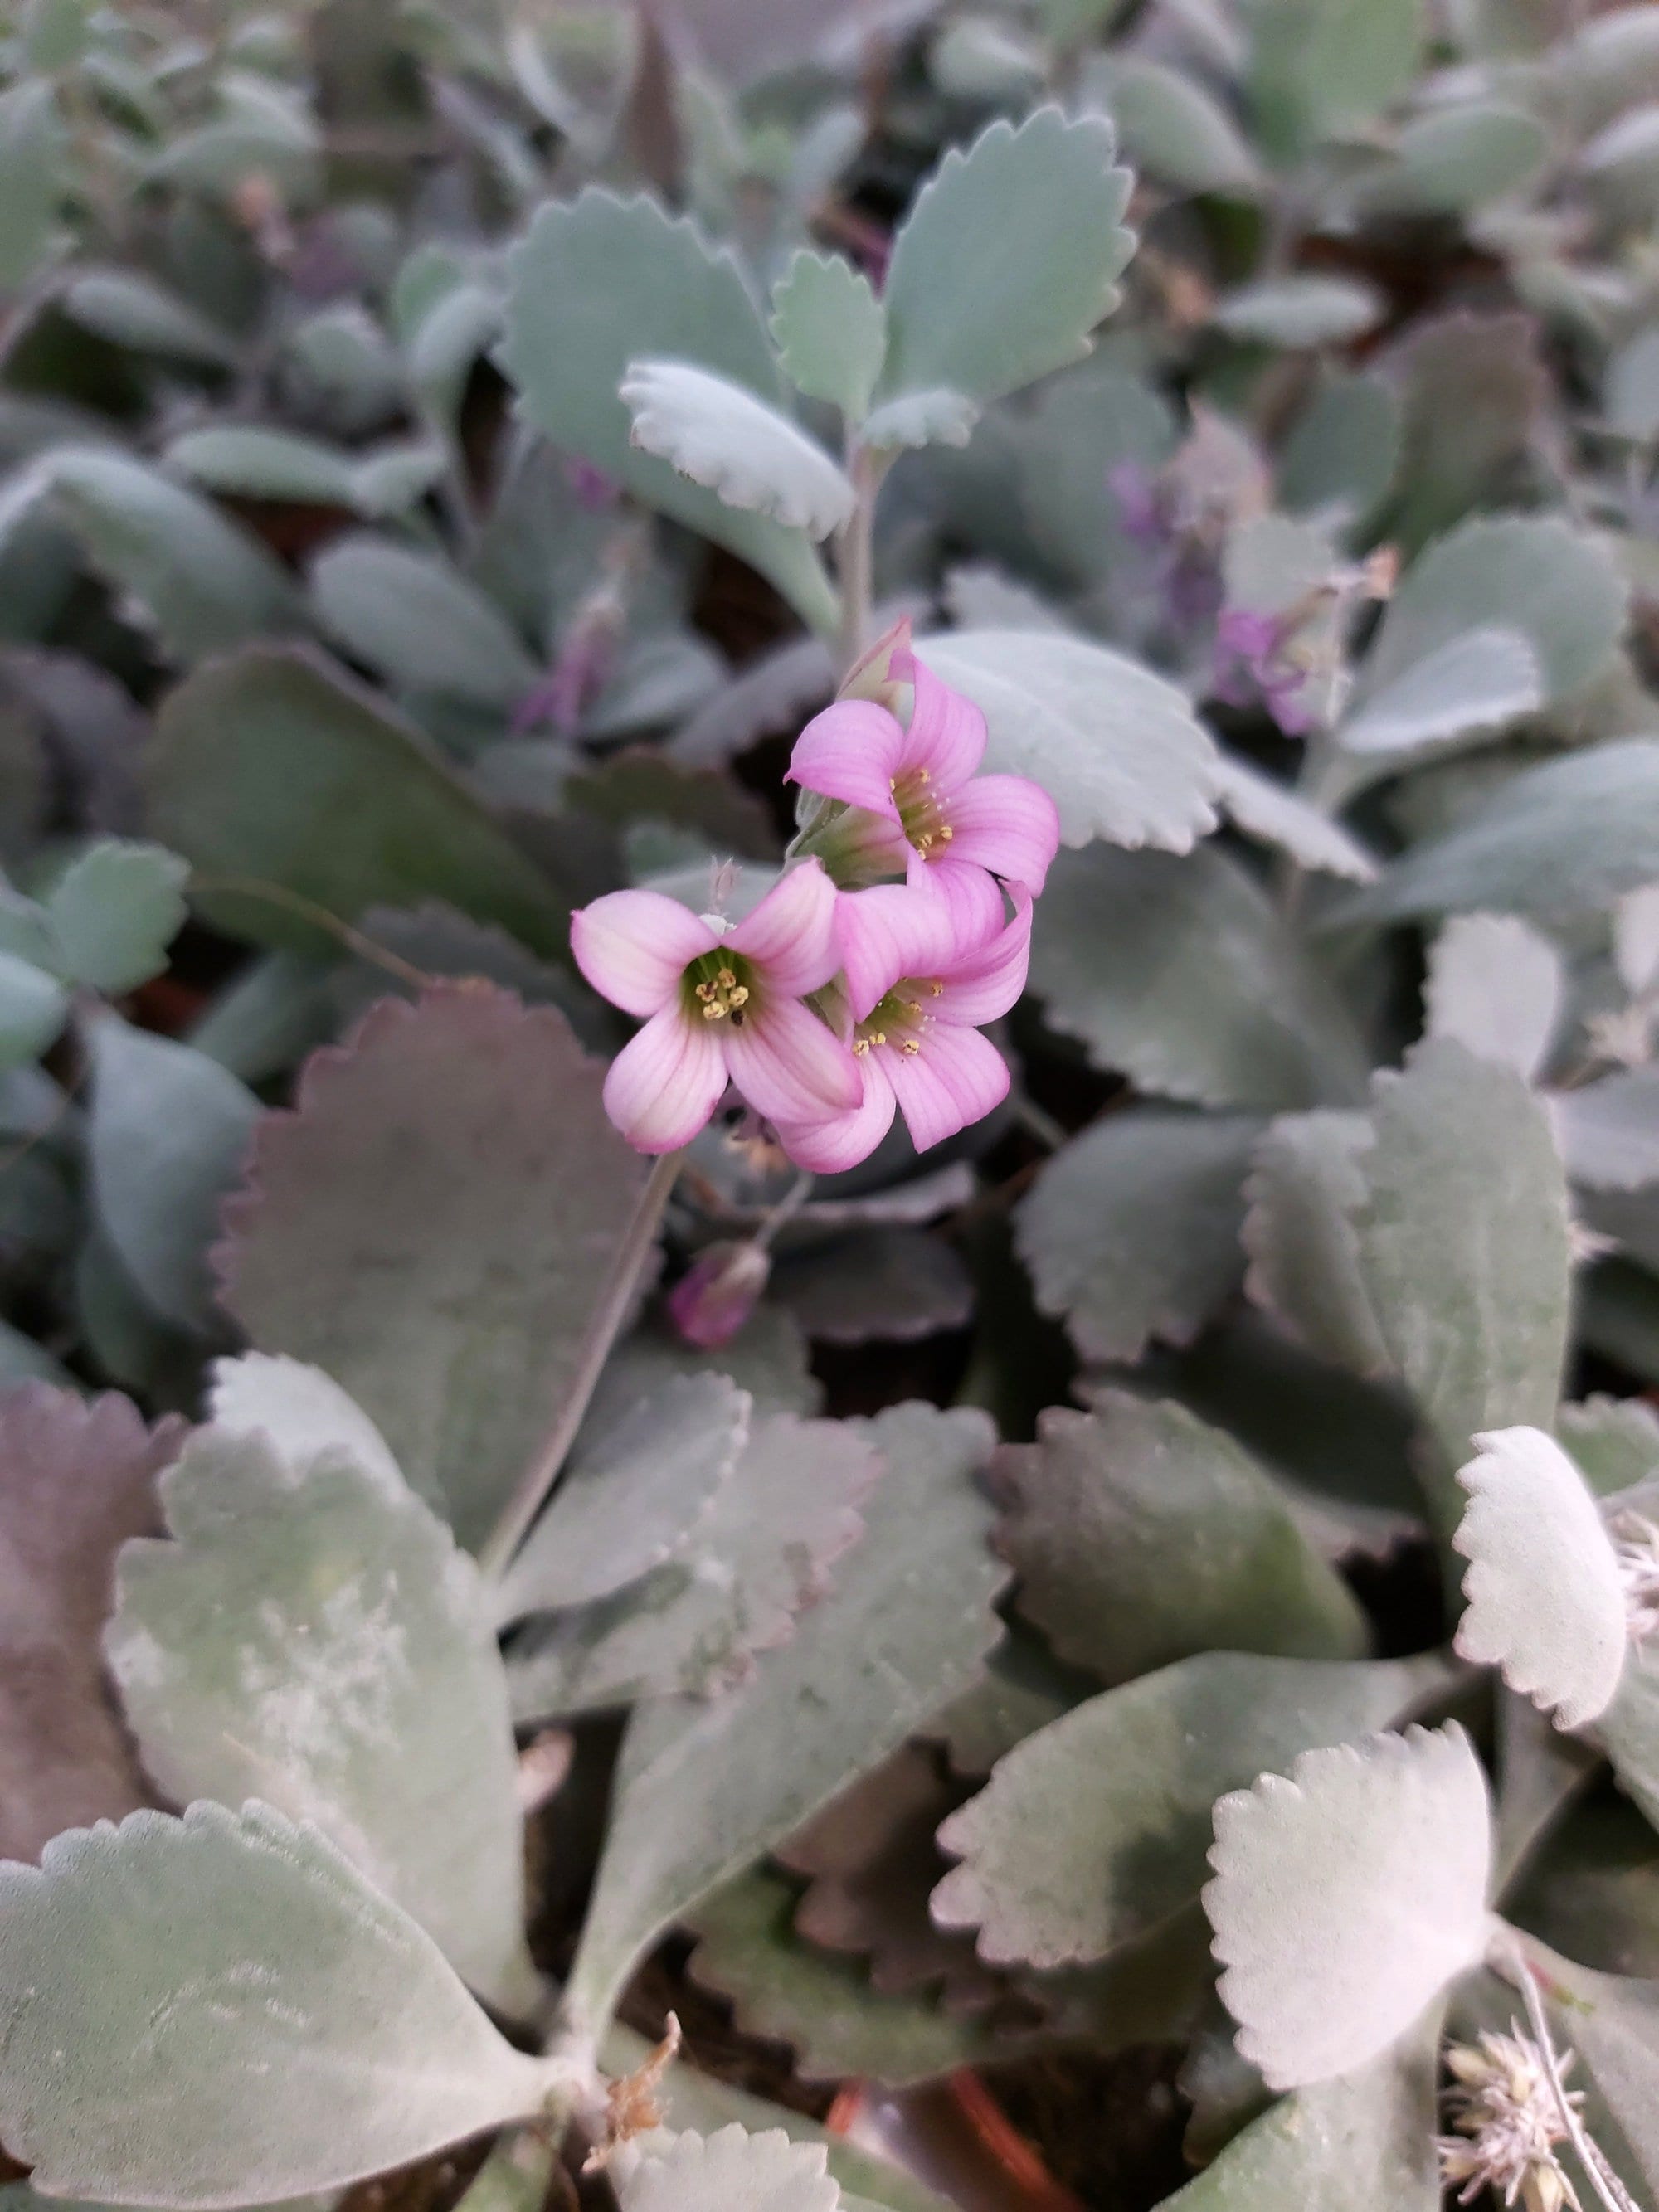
(920, 807)
(719, 1004)
(916, 994)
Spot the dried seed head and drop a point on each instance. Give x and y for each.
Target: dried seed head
(1506, 2124)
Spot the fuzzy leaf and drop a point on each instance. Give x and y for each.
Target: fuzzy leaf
(1299, 311)
(1141, 1535)
(1131, 1230)
(1006, 260)
(1609, 1131)
(1611, 2022)
(1340, 456)
(202, 581)
(1095, 1830)
(169, 1131)
(937, 416)
(1115, 747)
(731, 2171)
(1543, 1599)
(1462, 689)
(764, 1551)
(312, 1636)
(423, 1227)
(750, 456)
(1614, 1442)
(32, 1007)
(597, 282)
(1459, 159)
(1172, 129)
(831, 331)
(889, 1282)
(640, 1479)
(303, 1412)
(1307, 1180)
(1272, 814)
(419, 623)
(907, 1628)
(250, 2020)
(1347, 1896)
(257, 463)
(77, 1477)
(1498, 987)
(1181, 975)
(131, 309)
(115, 910)
(1319, 68)
(267, 770)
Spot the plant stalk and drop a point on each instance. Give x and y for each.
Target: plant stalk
(1606, 2183)
(604, 1325)
(857, 551)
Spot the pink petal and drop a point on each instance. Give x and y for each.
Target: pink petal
(791, 934)
(828, 1147)
(788, 1065)
(634, 946)
(1008, 824)
(982, 987)
(972, 900)
(956, 1079)
(877, 673)
(851, 751)
(889, 932)
(666, 1083)
(946, 734)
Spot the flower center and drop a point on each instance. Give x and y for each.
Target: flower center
(901, 1020)
(921, 811)
(719, 987)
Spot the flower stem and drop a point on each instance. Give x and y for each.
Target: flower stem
(604, 1325)
(857, 551)
(1604, 2182)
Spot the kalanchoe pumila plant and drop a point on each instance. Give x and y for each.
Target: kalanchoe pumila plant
(1085, 1521)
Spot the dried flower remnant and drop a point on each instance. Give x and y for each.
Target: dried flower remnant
(1505, 2122)
(719, 1291)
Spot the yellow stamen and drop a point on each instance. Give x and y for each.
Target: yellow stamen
(910, 1045)
(911, 1006)
(936, 988)
(713, 1013)
(726, 979)
(946, 833)
(860, 1048)
(738, 994)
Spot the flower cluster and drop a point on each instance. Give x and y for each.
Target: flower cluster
(846, 995)
(1507, 2123)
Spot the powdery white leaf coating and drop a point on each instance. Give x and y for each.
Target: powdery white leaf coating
(251, 2019)
(1469, 684)
(1300, 311)
(937, 416)
(1543, 1599)
(830, 330)
(304, 1412)
(1636, 934)
(1497, 986)
(1307, 1177)
(1271, 813)
(1608, 1131)
(1348, 1896)
(730, 2171)
(746, 452)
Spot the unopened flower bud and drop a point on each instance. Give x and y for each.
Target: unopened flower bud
(719, 1291)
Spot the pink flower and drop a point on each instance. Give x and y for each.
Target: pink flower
(720, 1005)
(919, 806)
(916, 993)
(719, 1291)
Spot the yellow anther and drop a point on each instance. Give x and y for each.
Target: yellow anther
(860, 1048)
(726, 979)
(946, 833)
(705, 990)
(878, 1036)
(712, 1013)
(910, 1045)
(922, 776)
(911, 1006)
(738, 994)
(936, 989)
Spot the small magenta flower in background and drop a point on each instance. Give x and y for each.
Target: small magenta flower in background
(912, 800)
(719, 1291)
(915, 993)
(720, 1005)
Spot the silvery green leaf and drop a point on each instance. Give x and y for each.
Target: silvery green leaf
(769, 1358)
(421, 1227)
(937, 416)
(1537, 574)
(1131, 1230)
(1614, 1442)
(1635, 938)
(1172, 129)
(1095, 1830)
(32, 144)
(831, 331)
(1006, 259)
(767, 1549)
(268, 770)
(259, 463)
(1462, 1243)
(1116, 748)
(982, 596)
(1457, 159)
(1609, 1130)
(648, 287)
(1274, 814)
(1346, 1896)
(1543, 1600)
(32, 1006)
(1272, 562)
(311, 1635)
(1361, 2142)
(250, 2018)
(641, 1478)
(1611, 2021)
(114, 911)
(1469, 685)
(905, 1630)
(131, 309)
(1299, 311)
(889, 1282)
(1142, 1535)
(750, 456)
(1342, 450)
(1182, 974)
(977, 56)
(419, 622)
(776, 690)
(1569, 836)
(303, 1412)
(201, 580)
(731, 2171)
(168, 1133)
(1497, 987)
(460, 328)
(1631, 395)
(1320, 69)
